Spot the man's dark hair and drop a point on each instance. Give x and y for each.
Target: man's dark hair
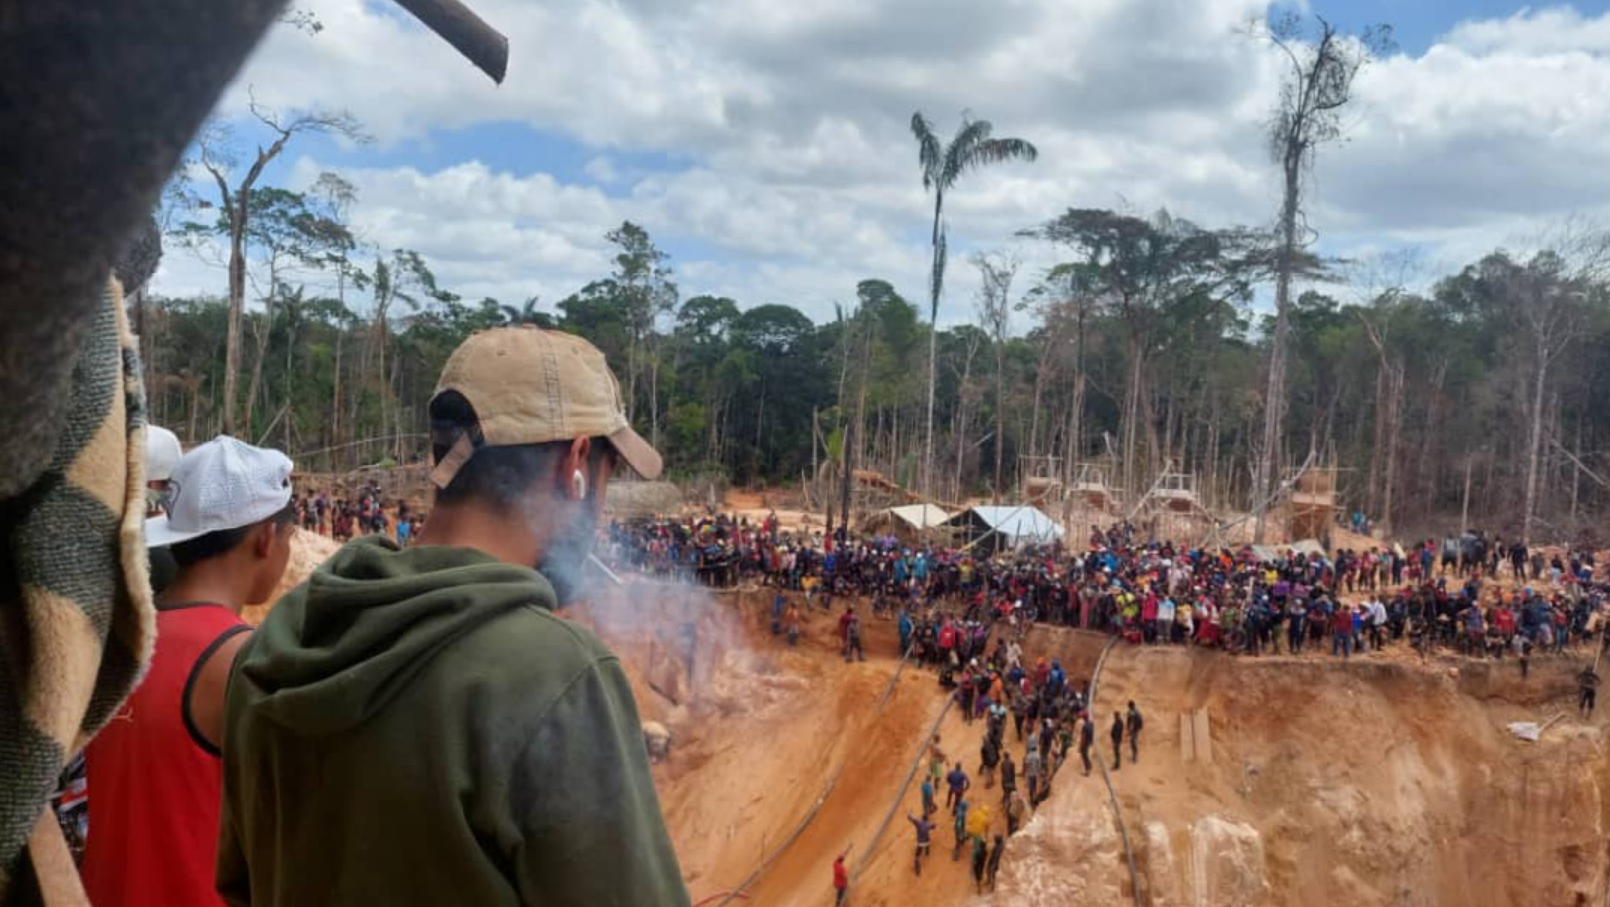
(217, 544)
(495, 475)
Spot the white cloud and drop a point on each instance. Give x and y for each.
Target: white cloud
(603, 170)
(798, 175)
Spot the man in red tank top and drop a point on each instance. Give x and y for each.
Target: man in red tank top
(154, 772)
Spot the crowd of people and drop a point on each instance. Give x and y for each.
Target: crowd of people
(957, 612)
(1050, 715)
(1154, 592)
(344, 519)
(1467, 595)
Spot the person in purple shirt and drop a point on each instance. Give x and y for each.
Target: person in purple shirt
(958, 784)
(925, 835)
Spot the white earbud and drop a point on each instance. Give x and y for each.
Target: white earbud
(579, 481)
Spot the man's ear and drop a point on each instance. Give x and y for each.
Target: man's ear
(263, 538)
(575, 461)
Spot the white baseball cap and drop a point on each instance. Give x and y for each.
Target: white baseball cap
(162, 453)
(223, 484)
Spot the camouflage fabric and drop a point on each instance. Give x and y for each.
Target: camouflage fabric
(76, 618)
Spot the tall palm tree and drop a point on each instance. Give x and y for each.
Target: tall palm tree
(972, 147)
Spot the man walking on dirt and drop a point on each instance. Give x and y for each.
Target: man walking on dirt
(526, 780)
(791, 624)
(989, 756)
(852, 637)
(958, 785)
(1008, 777)
(1133, 723)
(1033, 767)
(1087, 739)
(1017, 812)
(960, 823)
(925, 837)
(995, 859)
(1117, 740)
(1588, 680)
(841, 877)
(846, 620)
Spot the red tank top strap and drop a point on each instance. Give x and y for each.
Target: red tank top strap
(155, 782)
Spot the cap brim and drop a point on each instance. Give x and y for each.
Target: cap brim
(159, 534)
(643, 459)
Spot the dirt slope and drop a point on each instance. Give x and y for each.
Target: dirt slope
(886, 880)
(1381, 782)
(762, 730)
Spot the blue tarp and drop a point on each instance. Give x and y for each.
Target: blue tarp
(1014, 524)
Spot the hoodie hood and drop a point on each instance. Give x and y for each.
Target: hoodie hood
(339, 647)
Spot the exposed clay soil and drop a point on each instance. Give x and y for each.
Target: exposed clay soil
(1385, 781)
(1380, 782)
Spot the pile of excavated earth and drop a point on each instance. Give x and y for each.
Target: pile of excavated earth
(1385, 780)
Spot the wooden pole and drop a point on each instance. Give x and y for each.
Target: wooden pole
(459, 26)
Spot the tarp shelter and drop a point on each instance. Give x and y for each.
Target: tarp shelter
(908, 523)
(1310, 547)
(1271, 553)
(992, 529)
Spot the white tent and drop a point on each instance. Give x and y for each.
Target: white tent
(920, 516)
(1270, 553)
(906, 523)
(1007, 526)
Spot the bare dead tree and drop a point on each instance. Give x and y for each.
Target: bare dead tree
(1318, 84)
(1388, 409)
(220, 160)
(996, 271)
(1548, 297)
(964, 393)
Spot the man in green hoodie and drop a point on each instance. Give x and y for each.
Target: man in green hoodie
(416, 726)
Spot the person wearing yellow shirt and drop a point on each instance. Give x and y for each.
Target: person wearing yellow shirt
(978, 821)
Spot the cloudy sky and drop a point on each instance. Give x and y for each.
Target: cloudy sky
(765, 144)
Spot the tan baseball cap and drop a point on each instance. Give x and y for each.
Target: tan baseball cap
(531, 386)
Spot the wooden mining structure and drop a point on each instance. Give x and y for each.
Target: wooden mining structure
(1171, 508)
(1311, 506)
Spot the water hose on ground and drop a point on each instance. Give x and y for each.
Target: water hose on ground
(888, 817)
(768, 859)
(1112, 793)
(916, 765)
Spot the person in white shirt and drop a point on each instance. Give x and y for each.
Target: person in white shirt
(1376, 614)
(1165, 619)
